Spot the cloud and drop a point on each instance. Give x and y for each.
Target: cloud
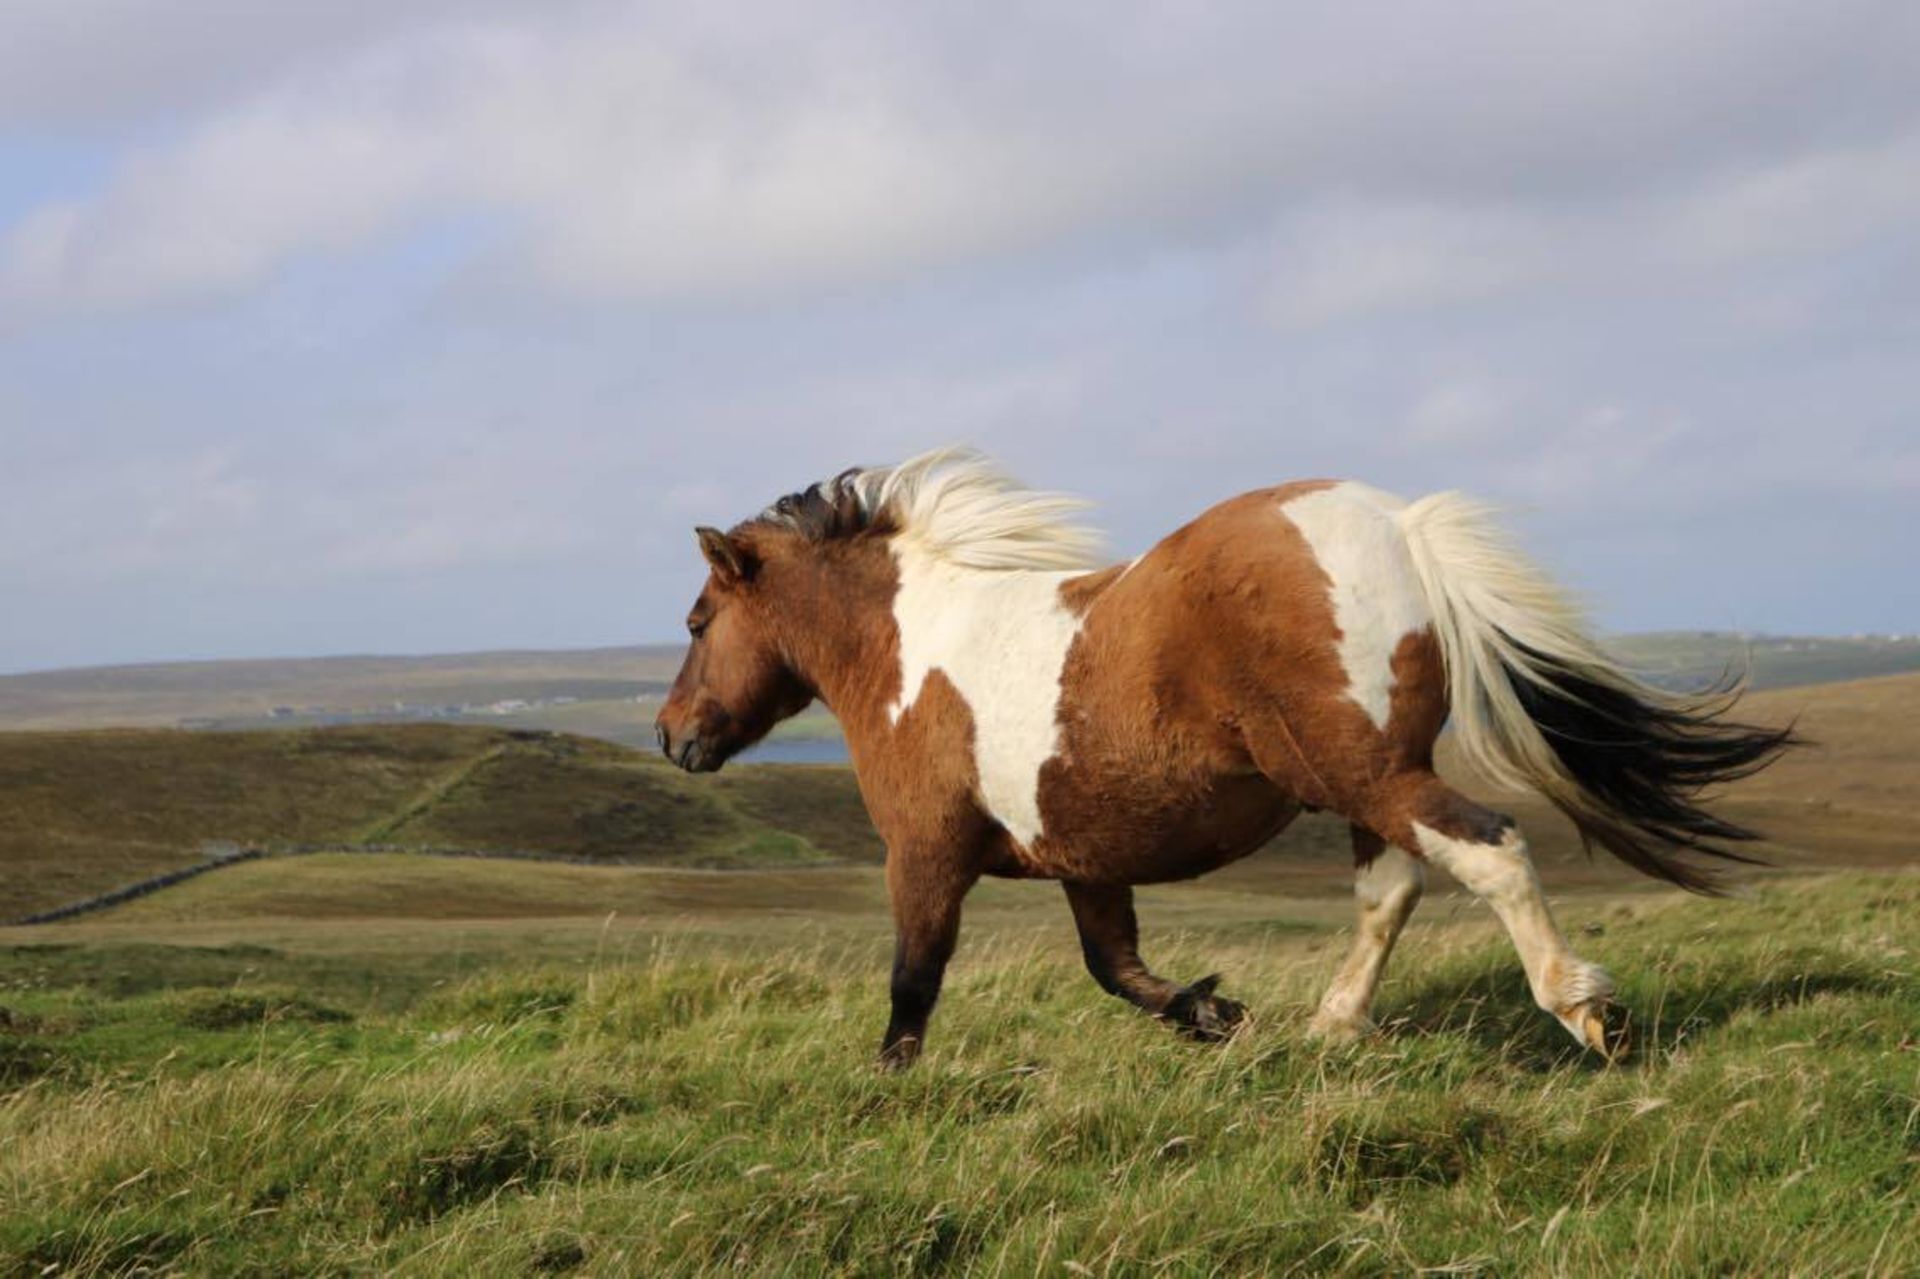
(253, 517)
(683, 152)
(68, 67)
(444, 321)
(1465, 409)
(1345, 261)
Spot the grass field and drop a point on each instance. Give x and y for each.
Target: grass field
(217, 1080)
(355, 1062)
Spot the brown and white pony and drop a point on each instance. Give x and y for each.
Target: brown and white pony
(1012, 709)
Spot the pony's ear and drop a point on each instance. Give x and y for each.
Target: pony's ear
(731, 561)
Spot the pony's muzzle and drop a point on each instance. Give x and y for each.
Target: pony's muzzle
(692, 753)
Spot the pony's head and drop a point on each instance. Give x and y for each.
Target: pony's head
(818, 562)
(736, 682)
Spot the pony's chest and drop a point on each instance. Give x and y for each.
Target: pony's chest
(1001, 640)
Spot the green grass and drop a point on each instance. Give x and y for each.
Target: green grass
(692, 1094)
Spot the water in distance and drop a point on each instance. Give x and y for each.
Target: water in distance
(798, 750)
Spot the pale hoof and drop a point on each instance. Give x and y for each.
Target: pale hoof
(1336, 1028)
(1602, 1026)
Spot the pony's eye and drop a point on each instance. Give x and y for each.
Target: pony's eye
(697, 629)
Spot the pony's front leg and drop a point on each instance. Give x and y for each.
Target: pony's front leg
(1110, 941)
(926, 895)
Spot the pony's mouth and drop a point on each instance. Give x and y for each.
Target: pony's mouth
(694, 755)
(697, 757)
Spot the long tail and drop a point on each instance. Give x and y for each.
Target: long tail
(1536, 702)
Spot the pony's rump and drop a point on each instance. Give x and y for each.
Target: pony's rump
(1535, 701)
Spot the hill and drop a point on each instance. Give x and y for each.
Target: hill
(81, 813)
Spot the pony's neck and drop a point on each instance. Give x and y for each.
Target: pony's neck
(840, 637)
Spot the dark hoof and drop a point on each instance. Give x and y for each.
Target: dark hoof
(898, 1054)
(1199, 1014)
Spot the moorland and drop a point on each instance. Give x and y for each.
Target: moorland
(371, 1050)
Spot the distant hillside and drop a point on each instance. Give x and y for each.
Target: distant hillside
(612, 693)
(83, 812)
(1691, 659)
(163, 695)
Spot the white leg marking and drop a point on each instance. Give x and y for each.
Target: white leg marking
(1377, 599)
(1386, 890)
(1001, 636)
(1503, 876)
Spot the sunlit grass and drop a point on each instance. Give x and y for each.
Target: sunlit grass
(699, 1107)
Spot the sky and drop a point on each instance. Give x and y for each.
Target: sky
(353, 326)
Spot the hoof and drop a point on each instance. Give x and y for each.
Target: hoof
(899, 1053)
(1198, 1013)
(1603, 1027)
(1333, 1028)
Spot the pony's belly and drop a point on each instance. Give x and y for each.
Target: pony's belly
(1211, 840)
(1123, 842)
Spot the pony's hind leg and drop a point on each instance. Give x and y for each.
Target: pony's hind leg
(1484, 850)
(1110, 941)
(1386, 887)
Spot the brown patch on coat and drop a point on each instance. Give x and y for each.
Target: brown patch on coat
(1079, 593)
(1417, 703)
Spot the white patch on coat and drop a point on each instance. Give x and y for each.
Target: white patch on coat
(1001, 638)
(1377, 598)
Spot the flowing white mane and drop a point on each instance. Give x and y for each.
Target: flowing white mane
(957, 505)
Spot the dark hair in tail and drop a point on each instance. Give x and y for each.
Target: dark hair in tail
(1642, 765)
(1535, 701)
